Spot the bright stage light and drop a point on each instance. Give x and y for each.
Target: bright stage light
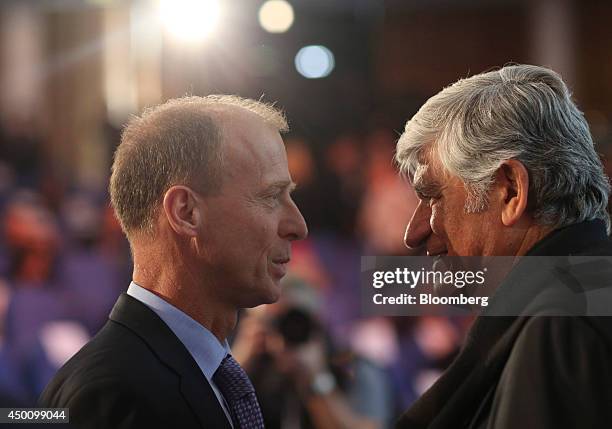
(189, 20)
(276, 16)
(314, 62)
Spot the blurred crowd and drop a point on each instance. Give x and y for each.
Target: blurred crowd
(315, 359)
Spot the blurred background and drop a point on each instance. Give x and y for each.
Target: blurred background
(348, 73)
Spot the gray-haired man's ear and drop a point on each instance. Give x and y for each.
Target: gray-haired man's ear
(513, 180)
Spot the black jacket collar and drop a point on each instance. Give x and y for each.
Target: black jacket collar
(143, 321)
(544, 277)
(572, 240)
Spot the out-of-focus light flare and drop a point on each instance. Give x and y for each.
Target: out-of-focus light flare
(276, 16)
(314, 62)
(189, 20)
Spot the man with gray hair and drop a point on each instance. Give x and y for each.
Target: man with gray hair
(202, 190)
(504, 165)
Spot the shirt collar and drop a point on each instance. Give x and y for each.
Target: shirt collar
(203, 346)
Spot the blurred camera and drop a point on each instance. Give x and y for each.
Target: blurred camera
(296, 326)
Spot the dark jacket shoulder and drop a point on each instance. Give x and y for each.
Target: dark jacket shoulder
(134, 373)
(118, 376)
(557, 375)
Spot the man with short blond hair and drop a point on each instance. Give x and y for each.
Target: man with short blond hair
(202, 190)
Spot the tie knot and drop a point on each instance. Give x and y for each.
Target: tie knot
(232, 380)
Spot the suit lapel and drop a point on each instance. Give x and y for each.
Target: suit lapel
(137, 317)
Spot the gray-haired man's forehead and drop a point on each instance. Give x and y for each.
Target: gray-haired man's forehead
(419, 174)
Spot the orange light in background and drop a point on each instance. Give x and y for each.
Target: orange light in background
(276, 16)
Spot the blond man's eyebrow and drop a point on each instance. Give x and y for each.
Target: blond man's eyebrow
(281, 185)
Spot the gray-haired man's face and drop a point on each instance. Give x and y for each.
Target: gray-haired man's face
(440, 224)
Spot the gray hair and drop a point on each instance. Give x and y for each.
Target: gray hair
(178, 142)
(520, 112)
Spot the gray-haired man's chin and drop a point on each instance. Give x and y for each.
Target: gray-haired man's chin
(444, 264)
(441, 263)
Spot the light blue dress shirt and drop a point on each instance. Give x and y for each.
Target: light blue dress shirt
(203, 346)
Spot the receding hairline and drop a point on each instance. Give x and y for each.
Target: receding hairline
(224, 116)
(220, 110)
(221, 106)
(215, 106)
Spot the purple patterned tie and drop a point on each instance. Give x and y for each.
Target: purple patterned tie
(239, 394)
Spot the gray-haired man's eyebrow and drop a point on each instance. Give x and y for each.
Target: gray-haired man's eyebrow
(425, 190)
(423, 186)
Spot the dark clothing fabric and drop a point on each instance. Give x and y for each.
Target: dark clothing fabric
(534, 370)
(239, 394)
(135, 373)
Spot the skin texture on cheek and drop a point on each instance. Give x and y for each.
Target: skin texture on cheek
(446, 226)
(460, 232)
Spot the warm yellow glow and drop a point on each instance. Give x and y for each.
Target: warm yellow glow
(189, 20)
(276, 16)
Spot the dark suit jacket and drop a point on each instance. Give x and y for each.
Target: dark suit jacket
(135, 373)
(534, 370)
